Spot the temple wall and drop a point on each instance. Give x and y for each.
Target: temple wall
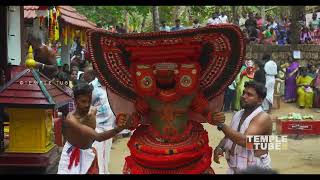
(309, 52)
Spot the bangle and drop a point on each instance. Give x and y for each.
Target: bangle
(221, 149)
(220, 126)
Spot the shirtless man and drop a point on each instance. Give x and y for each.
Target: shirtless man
(251, 120)
(79, 132)
(44, 56)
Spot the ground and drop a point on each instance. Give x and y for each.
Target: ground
(302, 156)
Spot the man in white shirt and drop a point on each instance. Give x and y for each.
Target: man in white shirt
(242, 21)
(196, 24)
(177, 26)
(271, 71)
(214, 19)
(273, 24)
(105, 119)
(164, 27)
(223, 18)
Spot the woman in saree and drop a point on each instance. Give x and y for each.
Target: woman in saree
(290, 81)
(304, 91)
(316, 90)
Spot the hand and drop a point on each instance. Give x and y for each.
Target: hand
(38, 65)
(122, 120)
(216, 118)
(217, 153)
(92, 111)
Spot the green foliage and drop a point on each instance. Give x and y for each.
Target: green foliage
(113, 15)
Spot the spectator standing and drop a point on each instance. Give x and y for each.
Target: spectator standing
(242, 21)
(196, 24)
(305, 36)
(223, 17)
(105, 119)
(214, 19)
(251, 22)
(259, 21)
(177, 26)
(315, 23)
(271, 70)
(164, 27)
(260, 74)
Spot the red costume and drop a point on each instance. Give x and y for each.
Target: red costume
(173, 82)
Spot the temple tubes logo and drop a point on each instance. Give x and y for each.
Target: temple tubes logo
(266, 142)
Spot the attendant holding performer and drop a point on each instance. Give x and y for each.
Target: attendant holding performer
(78, 156)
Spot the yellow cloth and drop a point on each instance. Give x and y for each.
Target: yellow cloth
(239, 92)
(56, 27)
(304, 91)
(70, 84)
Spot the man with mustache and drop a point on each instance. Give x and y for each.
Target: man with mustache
(251, 120)
(78, 156)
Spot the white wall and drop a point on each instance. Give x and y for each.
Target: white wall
(14, 35)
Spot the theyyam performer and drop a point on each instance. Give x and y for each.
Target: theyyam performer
(168, 83)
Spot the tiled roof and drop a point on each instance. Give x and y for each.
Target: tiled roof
(68, 14)
(30, 88)
(29, 12)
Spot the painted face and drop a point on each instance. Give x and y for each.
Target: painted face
(165, 79)
(166, 76)
(250, 98)
(83, 103)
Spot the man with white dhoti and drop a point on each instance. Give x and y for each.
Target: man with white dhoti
(78, 156)
(105, 119)
(271, 70)
(251, 120)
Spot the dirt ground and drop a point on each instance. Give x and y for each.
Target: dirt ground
(302, 156)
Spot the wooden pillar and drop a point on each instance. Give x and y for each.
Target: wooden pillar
(3, 39)
(22, 37)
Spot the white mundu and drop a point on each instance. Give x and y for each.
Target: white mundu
(243, 158)
(86, 158)
(271, 71)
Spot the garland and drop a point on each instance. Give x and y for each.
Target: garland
(139, 142)
(147, 151)
(197, 167)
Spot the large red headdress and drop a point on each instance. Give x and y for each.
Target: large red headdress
(211, 55)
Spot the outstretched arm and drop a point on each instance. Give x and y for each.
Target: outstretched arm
(86, 127)
(87, 132)
(50, 58)
(201, 105)
(260, 125)
(135, 119)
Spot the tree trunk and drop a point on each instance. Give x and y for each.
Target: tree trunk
(188, 14)
(143, 24)
(296, 12)
(126, 20)
(155, 17)
(176, 12)
(234, 15)
(263, 12)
